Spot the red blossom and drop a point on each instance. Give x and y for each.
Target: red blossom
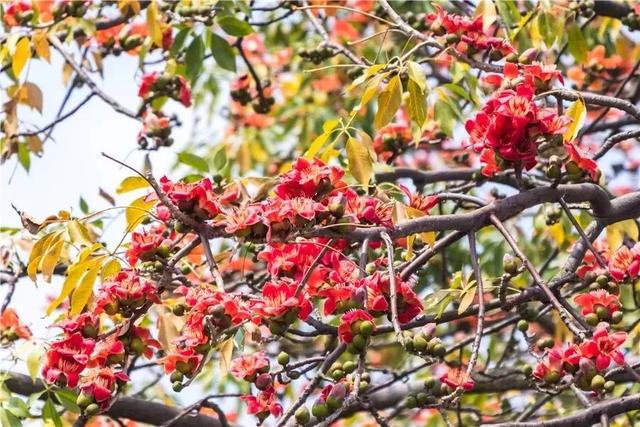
(591, 300)
(125, 292)
(248, 367)
(584, 163)
(10, 325)
(67, 358)
(100, 383)
(625, 262)
(308, 178)
(279, 298)
(603, 346)
(263, 404)
(351, 317)
(457, 378)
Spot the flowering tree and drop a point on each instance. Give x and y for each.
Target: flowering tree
(408, 213)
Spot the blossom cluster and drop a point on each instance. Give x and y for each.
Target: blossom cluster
(97, 364)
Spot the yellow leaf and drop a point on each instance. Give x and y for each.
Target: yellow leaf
(78, 233)
(360, 163)
(169, 327)
(556, 231)
(467, 299)
(152, 23)
(389, 101)
(577, 112)
(41, 45)
(417, 104)
(370, 91)
(21, 56)
(51, 257)
(67, 72)
(75, 272)
(617, 231)
(137, 211)
(110, 269)
(317, 145)
(131, 183)
(30, 94)
(487, 10)
(226, 351)
(82, 293)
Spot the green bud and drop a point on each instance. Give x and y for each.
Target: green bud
(609, 386)
(366, 328)
(320, 410)
(527, 370)
(602, 312)
(337, 374)
(597, 382)
(422, 398)
(592, 319)
(349, 366)
(439, 350)
(84, 400)
(429, 383)
(616, 317)
(551, 377)
(177, 386)
(420, 343)
(302, 415)
(178, 309)
(176, 376)
(92, 409)
(523, 325)
(359, 342)
(411, 402)
(283, 358)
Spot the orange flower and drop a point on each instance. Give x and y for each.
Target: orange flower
(11, 326)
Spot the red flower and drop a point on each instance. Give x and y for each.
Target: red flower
(584, 163)
(349, 319)
(279, 299)
(184, 92)
(300, 207)
(148, 81)
(625, 261)
(263, 404)
(185, 361)
(100, 383)
(86, 323)
(126, 292)
(308, 179)
(11, 326)
(589, 301)
(15, 11)
(248, 367)
(107, 352)
(145, 244)
(240, 220)
(457, 378)
(603, 347)
(66, 359)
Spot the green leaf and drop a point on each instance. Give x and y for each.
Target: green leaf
(194, 161)
(194, 58)
(389, 101)
(84, 207)
(223, 53)
(67, 398)
(417, 104)
(131, 183)
(234, 26)
(179, 40)
(360, 163)
(49, 413)
(577, 43)
(23, 156)
(220, 159)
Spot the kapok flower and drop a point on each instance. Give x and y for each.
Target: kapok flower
(625, 262)
(100, 383)
(591, 300)
(457, 378)
(11, 328)
(126, 292)
(16, 12)
(603, 347)
(263, 405)
(184, 361)
(249, 366)
(584, 163)
(279, 299)
(351, 317)
(66, 359)
(308, 178)
(86, 323)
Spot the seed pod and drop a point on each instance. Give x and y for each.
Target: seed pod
(283, 358)
(302, 415)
